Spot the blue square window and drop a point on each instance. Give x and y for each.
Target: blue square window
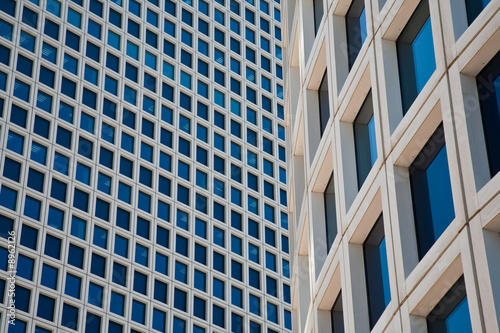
(32, 207)
(49, 276)
(25, 266)
(45, 307)
(180, 300)
(73, 285)
(95, 294)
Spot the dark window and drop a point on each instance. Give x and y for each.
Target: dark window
(180, 299)
(29, 237)
(76, 256)
(98, 265)
(45, 307)
(416, 59)
(451, 314)
(12, 171)
(337, 315)
(376, 272)
(474, 8)
(489, 92)
(70, 316)
(30, 17)
(119, 274)
(364, 140)
(433, 208)
(355, 29)
(324, 103)
(52, 246)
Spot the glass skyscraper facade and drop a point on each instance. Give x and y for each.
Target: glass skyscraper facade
(143, 166)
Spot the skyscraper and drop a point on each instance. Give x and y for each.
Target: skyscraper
(143, 166)
(393, 110)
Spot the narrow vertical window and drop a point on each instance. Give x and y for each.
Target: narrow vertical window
(376, 272)
(337, 315)
(324, 103)
(488, 87)
(364, 140)
(430, 183)
(318, 14)
(330, 212)
(416, 58)
(355, 29)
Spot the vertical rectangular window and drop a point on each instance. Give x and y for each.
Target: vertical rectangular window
(433, 208)
(376, 272)
(324, 103)
(364, 140)
(355, 29)
(416, 58)
(337, 315)
(330, 212)
(488, 88)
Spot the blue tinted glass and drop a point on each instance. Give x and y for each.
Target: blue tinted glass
(49, 276)
(416, 58)
(459, 319)
(95, 294)
(441, 201)
(82, 173)
(423, 55)
(180, 299)
(78, 227)
(200, 280)
(25, 266)
(376, 271)
(431, 191)
(138, 312)
(474, 8)
(73, 285)
(161, 264)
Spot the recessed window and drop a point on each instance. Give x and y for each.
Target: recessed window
(330, 212)
(376, 272)
(337, 315)
(451, 314)
(355, 29)
(364, 140)
(488, 87)
(433, 208)
(416, 58)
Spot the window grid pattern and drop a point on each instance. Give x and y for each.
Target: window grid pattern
(412, 63)
(103, 170)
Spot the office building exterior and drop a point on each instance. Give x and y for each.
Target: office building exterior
(143, 166)
(392, 111)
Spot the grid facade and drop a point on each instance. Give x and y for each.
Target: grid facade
(392, 111)
(143, 166)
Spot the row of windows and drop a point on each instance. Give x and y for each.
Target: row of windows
(93, 322)
(415, 48)
(114, 39)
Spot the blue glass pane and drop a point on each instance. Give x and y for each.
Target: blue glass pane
(441, 201)
(423, 55)
(459, 319)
